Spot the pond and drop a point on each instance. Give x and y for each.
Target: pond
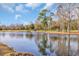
(40, 44)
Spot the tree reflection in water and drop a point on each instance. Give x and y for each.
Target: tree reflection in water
(16, 35)
(63, 48)
(69, 50)
(2, 34)
(21, 35)
(48, 46)
(29, 35)
(44, 44)
(78, 45)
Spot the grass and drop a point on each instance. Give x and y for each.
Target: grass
(33, 30)
(16, 30)
(47, 31)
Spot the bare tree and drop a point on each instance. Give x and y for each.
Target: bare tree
(65, 12)
(77, 14)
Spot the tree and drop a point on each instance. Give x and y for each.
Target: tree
(65, 13)
(50, 19)
(42, 17)
(45, 18)
(77, 13)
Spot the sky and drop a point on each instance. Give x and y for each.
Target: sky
(22, 13)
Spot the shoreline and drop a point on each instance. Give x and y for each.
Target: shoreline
(63, 33)
(49, 32)
(8, 51)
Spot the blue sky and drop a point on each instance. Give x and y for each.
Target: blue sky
(22, 13)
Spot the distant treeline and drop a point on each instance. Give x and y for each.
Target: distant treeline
(55, 25)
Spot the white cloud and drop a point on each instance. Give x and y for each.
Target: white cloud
(19, 7)
(11, 7)
(17, 16)
(33, 5)
(8, 7)
(48, 5)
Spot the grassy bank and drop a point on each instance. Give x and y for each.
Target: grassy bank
(16, 30)
(5, 49)
(47, 31)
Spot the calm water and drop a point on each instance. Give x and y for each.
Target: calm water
(41, 44)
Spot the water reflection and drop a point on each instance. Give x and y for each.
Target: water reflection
(42, 43)
(2, 34)
(60, 45)
(77, 53)
(29, 35)
(20, 35)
